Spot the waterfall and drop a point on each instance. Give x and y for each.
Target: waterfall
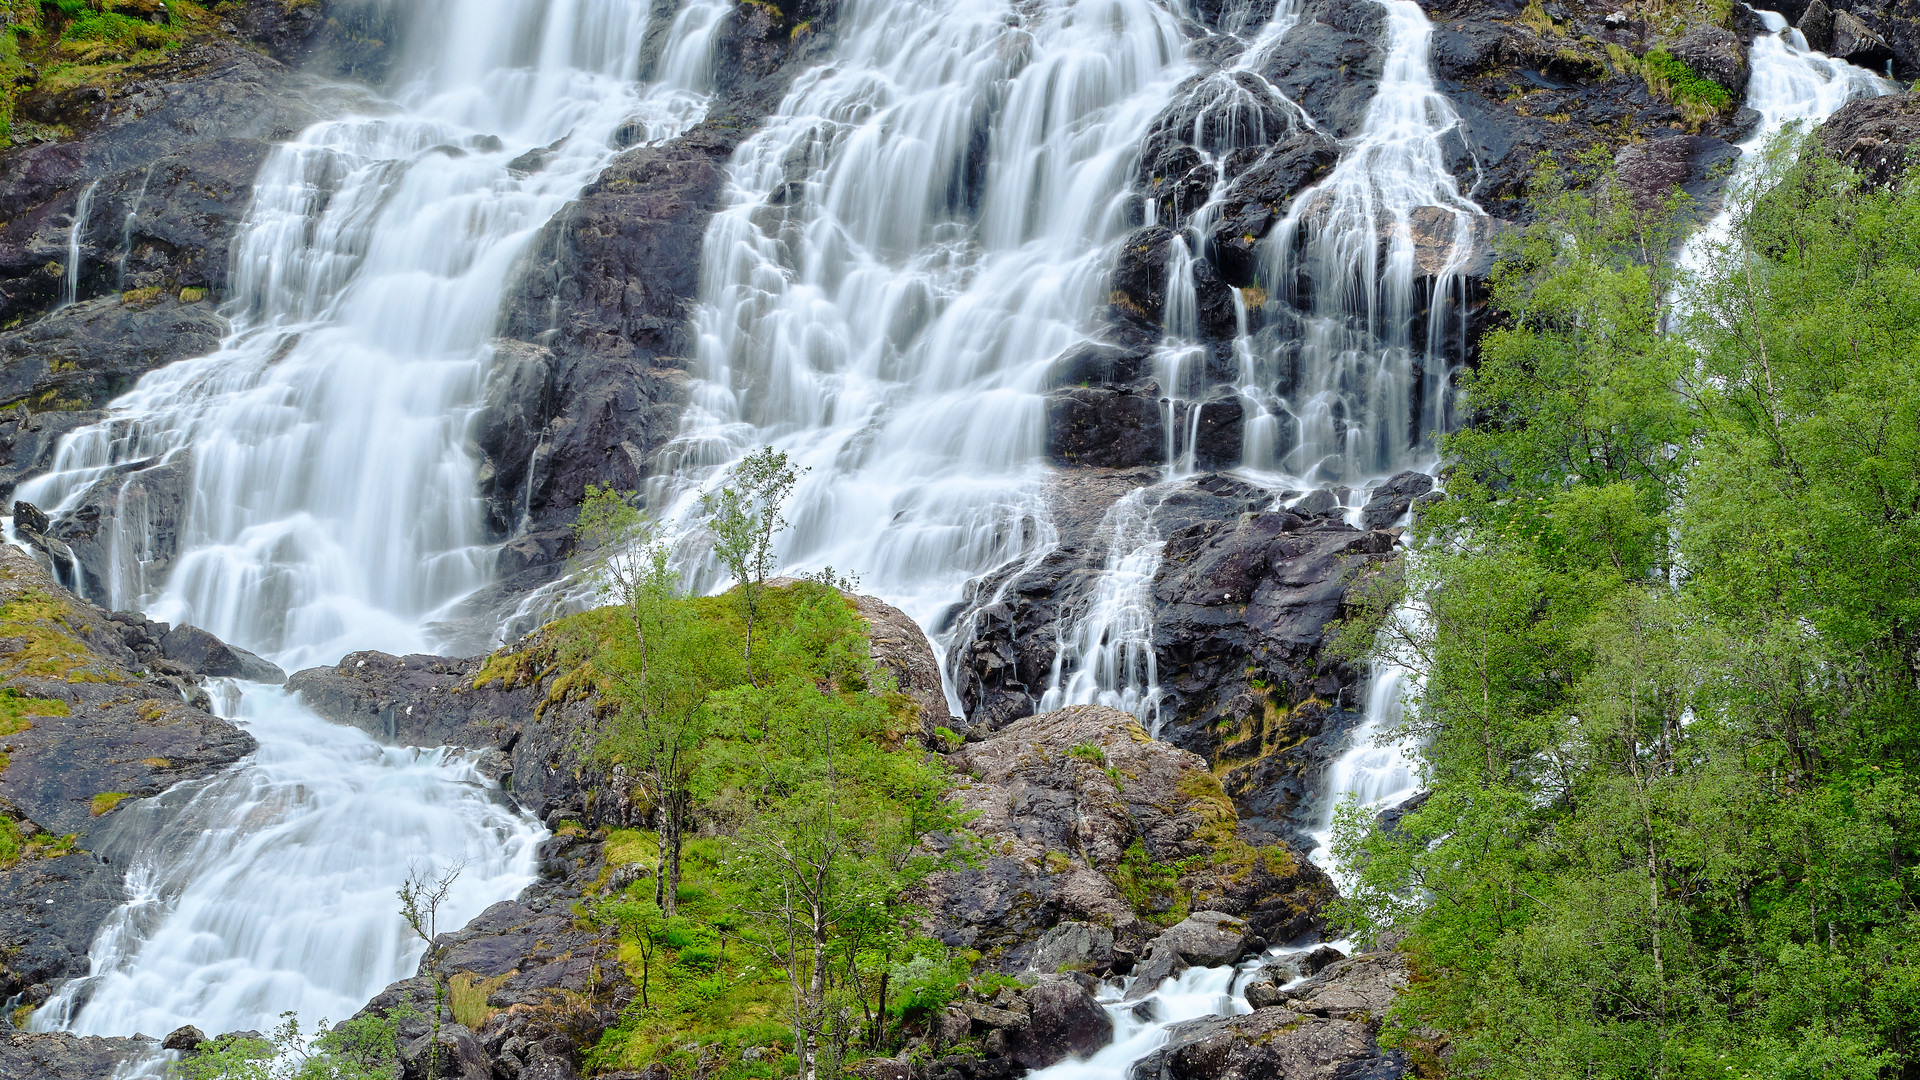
(922, 227)
(1387, 223)
(1105, 655)
(82, 208)
(1788, 83)
(332, 505)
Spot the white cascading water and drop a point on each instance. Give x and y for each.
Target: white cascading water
(1106, 656)
(1388, 219)
(1789, 82)
(1368, 397)
(1191, 995)
(919, 231)
(333, 506)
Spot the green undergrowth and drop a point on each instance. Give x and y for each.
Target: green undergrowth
(17, 847)
(713, 1005)
(54, 46)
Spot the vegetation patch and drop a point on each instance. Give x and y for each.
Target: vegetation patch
(105, 802)
(48, 644)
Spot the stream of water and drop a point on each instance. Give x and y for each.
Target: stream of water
(925, 224)
(333, 506)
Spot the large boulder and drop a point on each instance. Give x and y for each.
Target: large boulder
(1716, 54)
(202, 653)
(1874, 135)
(1063, 1020)
(1202, 939)
(1076, 809)
(1271, 1042)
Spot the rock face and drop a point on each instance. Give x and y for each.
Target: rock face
(60, 1056)
(1527, 86)
(547, 985)
(89, 725)
(1874, 135)
(164, 165)
(1327, 1029)
(1086, 820)
(1241, 609)
(599, 347)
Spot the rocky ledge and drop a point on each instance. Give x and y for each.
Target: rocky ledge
(97, 710)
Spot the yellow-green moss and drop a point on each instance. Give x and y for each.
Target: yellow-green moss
(16, 708)
(467, 997)
(50, 647)
(104, 802)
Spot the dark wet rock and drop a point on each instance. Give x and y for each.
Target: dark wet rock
(101, 731)
(1389, 502)
(1065, 801)
(28, 441)
(1816, 25)
(1261, 196)
(1220, 430)
(202, 653)
(1241, 609)
(1138, 299)
(61, 1055)
(1004, 645)
(1097, 363)
(128, 521)
(1330, 62)
(344, 38)
(184, 1039)
(601, 375)
(82, 356)
(1874, 135)
(1716, 54)
(170, 155)
(1856, 42)
(1106, 428)
(1524, 89)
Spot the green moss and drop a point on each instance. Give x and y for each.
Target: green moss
(192, 296)
(16, 708)
(16, 847)
(1087, 751)
(50, 647)
(104, 802)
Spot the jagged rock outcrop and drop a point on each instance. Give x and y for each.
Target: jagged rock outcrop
(86, 724)
(1087, 820)
(60, 1056)
(1874, 135)
(162, 163)
(1563, 82)
(606, 294)
(546, 982)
